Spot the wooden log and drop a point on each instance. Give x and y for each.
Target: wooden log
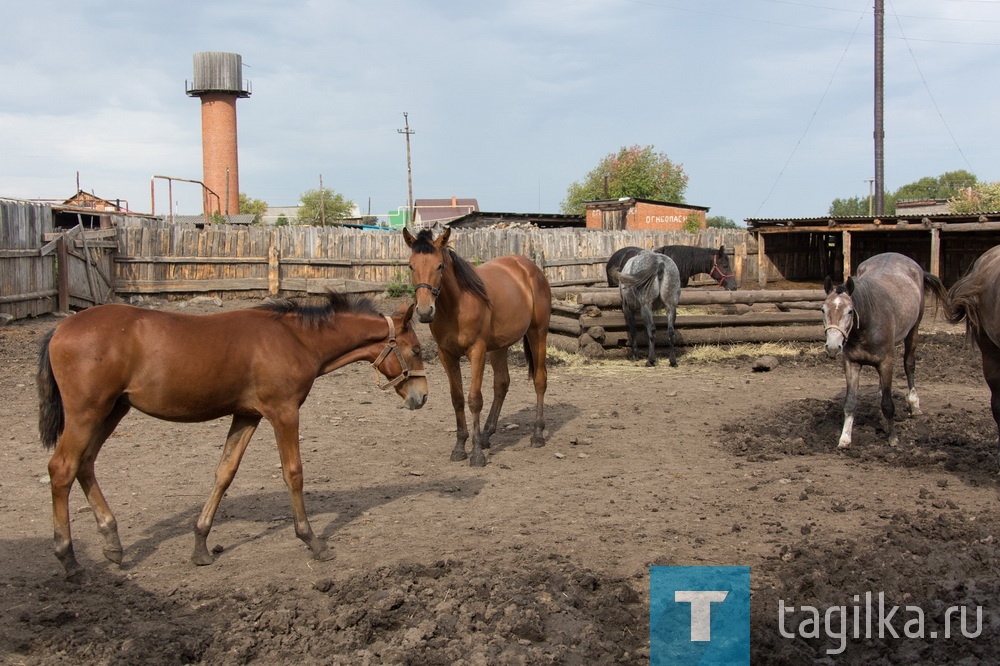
(567, 309)
(612, 298)
(566, 343)
(722, 336)
(616, 320)
(566, 325)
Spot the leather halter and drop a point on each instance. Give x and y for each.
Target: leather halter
(390, 348)
(855, 323)
(715, 269)
(434, 290)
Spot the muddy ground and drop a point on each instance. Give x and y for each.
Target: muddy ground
(542, 556)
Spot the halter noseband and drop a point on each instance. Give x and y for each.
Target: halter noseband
(390, 348)
(855, 323)
(716, 269)
(434, 290)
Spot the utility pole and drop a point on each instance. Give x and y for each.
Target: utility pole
(409, 171)
(879, 110)
(870, 182)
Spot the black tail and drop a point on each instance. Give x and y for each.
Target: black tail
(529, 358)
(937, 287)
(50, 407)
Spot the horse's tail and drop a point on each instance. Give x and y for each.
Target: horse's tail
(634, 281)
(963, 303)
(529, 357)
(51, 419)
(935, 284)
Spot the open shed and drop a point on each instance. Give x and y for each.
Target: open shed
(809, 249)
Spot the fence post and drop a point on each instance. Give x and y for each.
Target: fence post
(273, 265)
(62, 277)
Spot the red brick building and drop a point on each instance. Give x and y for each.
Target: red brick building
(643, 214)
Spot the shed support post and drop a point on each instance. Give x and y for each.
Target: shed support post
(848, 269)
(62, 275)
(761, 262)
(936, 252)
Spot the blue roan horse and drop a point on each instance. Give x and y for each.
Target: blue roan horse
(690, 261)
(649, 281)
(975, 299)
(866, 317)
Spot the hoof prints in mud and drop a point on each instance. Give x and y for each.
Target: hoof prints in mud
(921, 560)
(449, 612)
(955, 439)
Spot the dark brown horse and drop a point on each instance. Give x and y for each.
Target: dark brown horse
(975, 299)
(475, 311)
(250, 364)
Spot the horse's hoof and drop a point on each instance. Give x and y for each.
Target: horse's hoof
(202, 558)
(114, 554)
(650, 364)
(843, 445)
(673, 364)
(537, 442)
(894, 441)
(324, 555)
(458, 455)
(78, 577)
(477, 460)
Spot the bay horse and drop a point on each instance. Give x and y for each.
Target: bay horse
(649, 281)
(975, 299)
(251, 364)
(866, 317)
(479, 311)
(692, 260)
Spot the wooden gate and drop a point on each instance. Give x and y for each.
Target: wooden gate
(85, 259)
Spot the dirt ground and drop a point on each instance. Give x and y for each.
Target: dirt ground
(541, 557)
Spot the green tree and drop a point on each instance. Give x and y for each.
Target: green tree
(637, 171)
(323, 206)
(255, 207)
(721, 222)
(945, 186)
(979, 198)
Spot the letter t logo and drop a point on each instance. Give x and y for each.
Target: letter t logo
(701, 610)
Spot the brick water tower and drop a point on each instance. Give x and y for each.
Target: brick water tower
(218, 82)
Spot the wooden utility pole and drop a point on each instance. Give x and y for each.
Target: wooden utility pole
(409, 172)
(879, 110)
(322, 202)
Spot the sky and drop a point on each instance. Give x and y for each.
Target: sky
(766, 104)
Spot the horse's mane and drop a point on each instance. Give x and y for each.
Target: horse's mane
(322, 312)
(465, 274)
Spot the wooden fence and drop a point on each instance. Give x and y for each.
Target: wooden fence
(235, 261)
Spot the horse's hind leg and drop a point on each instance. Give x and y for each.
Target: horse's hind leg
(991, 372)
(909, 367)
(647, 319)
(540, 379)
(286, 431)
(106, 523)
(885, 393)
(630, 326)
(240, 432)
(672, 317)
(501, 383)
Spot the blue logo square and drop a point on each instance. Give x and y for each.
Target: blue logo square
(699, 615)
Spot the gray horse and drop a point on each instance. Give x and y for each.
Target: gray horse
(647, 282)
(866, 317)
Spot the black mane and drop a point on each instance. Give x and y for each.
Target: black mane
(322, 312)
(465, 273)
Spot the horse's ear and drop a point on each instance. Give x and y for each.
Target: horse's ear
(849, 286)
(442, 240)
(408, 237)
(722, 250)
(828, 284)
(408, 315)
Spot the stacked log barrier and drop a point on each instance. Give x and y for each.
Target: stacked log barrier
(593, 323)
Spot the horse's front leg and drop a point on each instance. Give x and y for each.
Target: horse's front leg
(240, 432)
(477, 363)
(501, 384)
(286, 431)
(885, 393)
(454, 372)
(852, 372)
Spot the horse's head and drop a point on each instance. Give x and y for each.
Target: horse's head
(839, 316)
(427, 265)
(722, 271)
(400, 361)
